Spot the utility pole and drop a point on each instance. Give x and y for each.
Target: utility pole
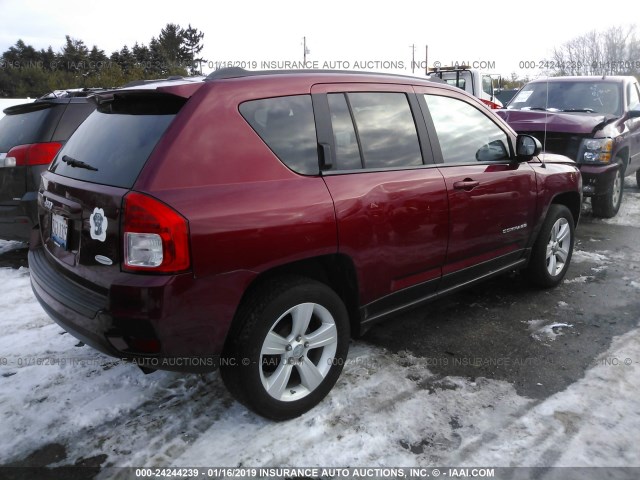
(304, 46)
(426, 60)
(413, 58)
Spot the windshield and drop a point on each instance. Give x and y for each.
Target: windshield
(588, 97)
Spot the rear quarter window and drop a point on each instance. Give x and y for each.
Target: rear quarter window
(287, 126)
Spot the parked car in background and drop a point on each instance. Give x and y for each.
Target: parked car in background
(257, 220)
(594, 120)
(30, 136)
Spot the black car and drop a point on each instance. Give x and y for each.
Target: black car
(30, 136)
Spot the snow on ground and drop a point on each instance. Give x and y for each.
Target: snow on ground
(6, 245)
(594, 422)
(580, 256)
(386, 410)
(629, 213)
(544, 333)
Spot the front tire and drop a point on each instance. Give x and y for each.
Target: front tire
(287, 348)
(553, 249)
(607, 205)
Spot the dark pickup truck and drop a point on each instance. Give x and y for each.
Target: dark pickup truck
(593, 120)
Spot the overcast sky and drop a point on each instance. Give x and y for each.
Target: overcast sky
(502, 34)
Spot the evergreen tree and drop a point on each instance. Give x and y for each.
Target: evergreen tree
(192, 38)
(172, 48)
(75, 55)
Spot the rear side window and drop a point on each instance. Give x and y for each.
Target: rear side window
(287, 126)
(384, 136)
(115, 141)
(28, 127)
(344, 135)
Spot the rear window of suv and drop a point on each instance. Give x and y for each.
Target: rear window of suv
(115, 141)
(28, 125)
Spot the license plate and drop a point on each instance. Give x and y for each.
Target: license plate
(59, 230)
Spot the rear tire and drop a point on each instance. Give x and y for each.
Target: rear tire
(607, 205)
(287, 348)
(552, 251)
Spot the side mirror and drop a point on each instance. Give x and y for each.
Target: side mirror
(527, 147)
(635, 112)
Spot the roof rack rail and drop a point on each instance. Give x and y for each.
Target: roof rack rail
(229, 72)
(237, 72)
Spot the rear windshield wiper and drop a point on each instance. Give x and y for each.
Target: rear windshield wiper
(586, 110)
(72, 162)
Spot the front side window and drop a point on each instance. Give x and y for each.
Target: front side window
(385, 129)
(465, 134)
(487, 85)
(287, 126)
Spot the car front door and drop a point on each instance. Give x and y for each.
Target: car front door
(492, 199)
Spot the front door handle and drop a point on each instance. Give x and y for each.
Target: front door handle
(466, 184)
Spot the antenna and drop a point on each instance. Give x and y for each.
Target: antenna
(546, 118)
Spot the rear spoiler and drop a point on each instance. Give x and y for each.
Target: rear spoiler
(28, 107)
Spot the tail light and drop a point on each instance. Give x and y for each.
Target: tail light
(32, 154)
(156, 237)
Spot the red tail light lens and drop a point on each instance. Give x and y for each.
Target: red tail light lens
(156, 237)
(490, 104)
(33, 154)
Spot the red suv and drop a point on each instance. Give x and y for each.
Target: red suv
(256, 220)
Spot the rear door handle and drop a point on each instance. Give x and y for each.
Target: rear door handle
(466, 184)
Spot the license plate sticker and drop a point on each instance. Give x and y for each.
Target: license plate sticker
(59, 230)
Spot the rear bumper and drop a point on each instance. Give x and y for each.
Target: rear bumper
(154, 322)
(597, 179)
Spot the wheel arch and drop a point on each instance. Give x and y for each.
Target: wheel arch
(623, 154)
(572, 201)
(336, 271)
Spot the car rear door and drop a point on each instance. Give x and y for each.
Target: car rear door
(492, 199)
(390, 200)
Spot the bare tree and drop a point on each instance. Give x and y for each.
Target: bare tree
(615, 51)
